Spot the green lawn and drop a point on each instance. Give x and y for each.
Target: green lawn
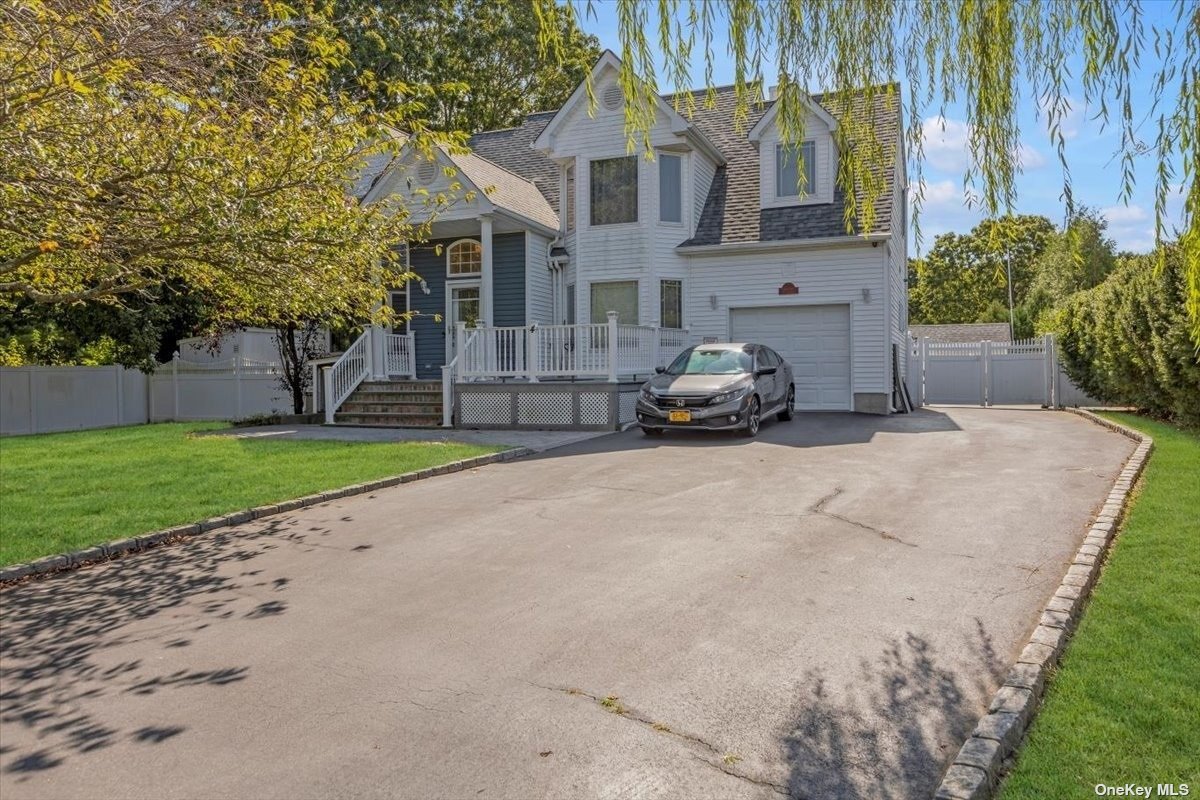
(1125, 704)
(65, 491)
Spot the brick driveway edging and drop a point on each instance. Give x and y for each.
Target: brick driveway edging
(134, 544)
(976, 770)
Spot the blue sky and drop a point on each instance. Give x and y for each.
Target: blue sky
(1095, 170)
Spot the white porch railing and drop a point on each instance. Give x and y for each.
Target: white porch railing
(607, 350)
(400, 354)
(347, 373)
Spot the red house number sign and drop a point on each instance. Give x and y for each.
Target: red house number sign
(789, 288)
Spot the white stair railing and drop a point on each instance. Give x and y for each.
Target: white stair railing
(347, 373)
(400, 354)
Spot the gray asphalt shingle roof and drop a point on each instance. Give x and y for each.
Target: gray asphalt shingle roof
(731, 212)
(966, 332)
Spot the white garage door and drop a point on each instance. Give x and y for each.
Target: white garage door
(814, 339)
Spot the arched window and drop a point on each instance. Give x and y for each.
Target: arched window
(464, 257)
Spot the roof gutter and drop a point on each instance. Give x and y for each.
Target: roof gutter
(783, 244)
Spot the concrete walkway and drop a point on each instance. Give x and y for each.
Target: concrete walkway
(538, 441)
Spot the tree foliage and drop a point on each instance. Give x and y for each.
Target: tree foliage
(994, 55)
(1076, 258)
(148, 143)
(478, 59)
(1126, 341)
(965, 276)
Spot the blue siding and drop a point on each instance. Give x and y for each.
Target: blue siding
(508, 297)
(508, 279)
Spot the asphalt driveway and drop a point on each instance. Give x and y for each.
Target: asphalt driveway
(819, 613)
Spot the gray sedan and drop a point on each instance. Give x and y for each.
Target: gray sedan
(718, 387)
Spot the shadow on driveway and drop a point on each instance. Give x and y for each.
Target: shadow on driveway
(62, 639)
(809, 429)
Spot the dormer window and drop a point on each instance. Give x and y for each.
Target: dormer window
(464, 257)
(788, 180)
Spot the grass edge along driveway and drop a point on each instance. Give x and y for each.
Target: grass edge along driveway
(64, 491)
(1124, 705)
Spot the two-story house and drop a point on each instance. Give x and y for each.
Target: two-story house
(716, 236)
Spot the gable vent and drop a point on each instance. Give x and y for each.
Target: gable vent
(426, 172)
(613, 97)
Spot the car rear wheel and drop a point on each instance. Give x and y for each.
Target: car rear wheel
(789, 407)
(753, 418)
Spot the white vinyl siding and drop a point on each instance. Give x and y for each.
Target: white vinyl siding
(827, 276)
(670, 188)
(705, 170)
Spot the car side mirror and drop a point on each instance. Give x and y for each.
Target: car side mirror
(766, 371)
(660, 370)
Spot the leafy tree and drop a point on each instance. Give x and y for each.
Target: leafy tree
(1076, 258)
(144, 144)
(479, 59)
(137, 333)
(996, 55)
(965, 276)
(1125, 341)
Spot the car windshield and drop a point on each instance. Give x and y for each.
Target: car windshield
(710, 361)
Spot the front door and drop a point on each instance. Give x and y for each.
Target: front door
(462, 305)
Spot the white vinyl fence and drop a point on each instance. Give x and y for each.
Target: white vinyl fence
(216, 390)
(49, 399)
(1024, 372)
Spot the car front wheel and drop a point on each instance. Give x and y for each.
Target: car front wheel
(789, 407)
(753, 418)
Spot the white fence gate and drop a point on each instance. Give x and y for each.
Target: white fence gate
(1024, 372)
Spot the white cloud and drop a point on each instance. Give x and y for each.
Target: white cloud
(1029, 157)
(1131, 226)
(946, 145)
(1072, 118)
(945, 142)
(1125, 215)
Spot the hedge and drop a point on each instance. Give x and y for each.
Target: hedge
(1126, 340)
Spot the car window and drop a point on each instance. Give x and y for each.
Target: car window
(776, 359)
(711, 361)
(769, 358)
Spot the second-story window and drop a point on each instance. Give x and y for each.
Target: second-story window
(614, 195)
(788, 180)
(670, 188)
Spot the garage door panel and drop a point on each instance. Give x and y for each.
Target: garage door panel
(814, 339)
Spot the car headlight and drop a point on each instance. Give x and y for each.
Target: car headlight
(648, 396)
(726, 397)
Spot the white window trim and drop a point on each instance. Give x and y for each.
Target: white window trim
(640, 204)
(768, 174)
(683, 164)
(406, 291)
(807, 192)
(637, 296)
(456, 275)
(682, 302)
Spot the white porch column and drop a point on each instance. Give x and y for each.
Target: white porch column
(377, 353)
(485, 270)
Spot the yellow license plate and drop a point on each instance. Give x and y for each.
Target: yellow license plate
(679, 416)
